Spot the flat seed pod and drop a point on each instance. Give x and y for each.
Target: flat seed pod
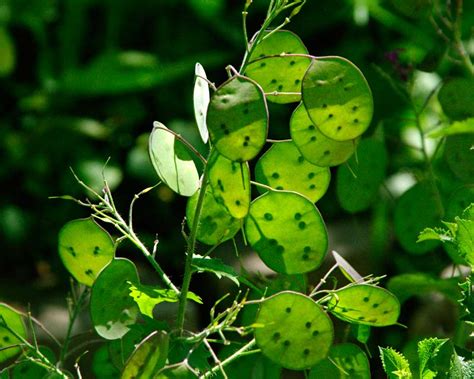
(28, 369)
(216, 225)
(230, 182)
(287, 231)
(149, 357)
(460, 155)
(417, 209)
(337, 98)
(456, 97)
(348, 271)
(284, 168)
(201, 99)
(293, 331)
(237, 119)
(85, 249)
(112, 309)
(172, 161)
(121, 349)
(314, 145)
(365, 304)
(347, 356)
(14, 321)
(357, 193)
(279, 74)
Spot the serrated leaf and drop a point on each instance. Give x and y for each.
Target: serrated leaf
(437, 234)
(395, 364)
(427, 351)
(85, 249)
(172, 161)
(215, 266)
(147, 297)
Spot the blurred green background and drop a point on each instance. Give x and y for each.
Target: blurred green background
(83, 80)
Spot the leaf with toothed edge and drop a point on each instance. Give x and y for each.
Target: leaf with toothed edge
(283, 73)
(365, 304)
(201, 97)
(284, 168)
(237, 119)
(314, 145)
(287, 231)
(11, 318)
(337, 98)
(85, 249)
(293, 330)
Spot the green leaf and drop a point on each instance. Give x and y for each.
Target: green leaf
(293, 331)
(287, 231)
(216, 224)
(337, 98)
(358, 182)
(201, 97)
(85, 249)
(237, 119)
(416, 209)
(345, 361)
(10, 319)
(459, 153)
(283, 167)
(314, 145)
(405, 286)
(7, 53)
(230, 182)
(149, 357)
(395, 364)
(215, 266)
(112, 309)
(147, 297)
(466, 302)
(362, 332)
(437, 234)
(457, 127)
(365, 304)
(457, 98)
(172, 161)
(282, 73)
(465, 240)
(427, 352)
(460, 368)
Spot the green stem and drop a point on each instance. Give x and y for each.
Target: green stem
(458, 45)
(191, 245)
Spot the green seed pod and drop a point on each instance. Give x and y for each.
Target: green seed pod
(460, 155)
(456, 97)
(14, 321)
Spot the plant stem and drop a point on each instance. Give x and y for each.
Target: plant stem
(458, 45)
(191, 245)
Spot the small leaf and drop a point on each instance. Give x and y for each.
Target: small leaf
(112, 309)
(427, 352)
(337, 98)
(437, 234)
(201, 99)
(365, 304)
(395, 364)
(85, 249)
(11, 319)
(172, 162)
(284, 168)
(149, 357)
(147, 297)
(215, 266)
(237, 119)
(293, 330)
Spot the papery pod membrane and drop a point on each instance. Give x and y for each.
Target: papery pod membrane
(148, 358)
(216, 224)
(314, 145)
(293, 330)
(456, 97)
(358, 182)
(365, 304)
(282, 73)
(237, 119)
(345, 361)
(172, 161)
(284, 168)
(112, 309)
(11, 318)
(460, 155)
(287, 231)
(201, 97)
(337, 98)
(417, 209)
(85, 249)
(230, 182)
(349, 272)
